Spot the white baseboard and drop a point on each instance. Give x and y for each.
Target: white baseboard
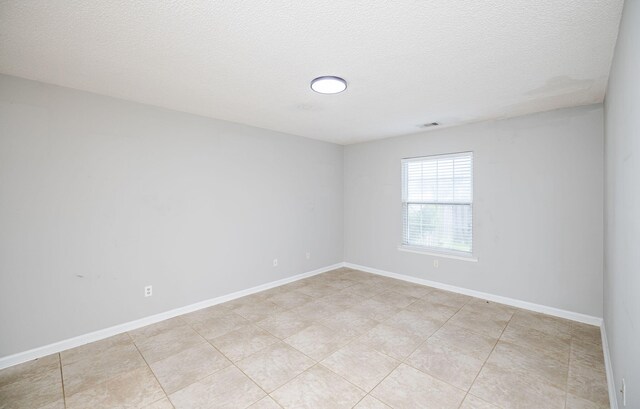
(63, 345)
(556, 312)
(608, 366)
(39, 352)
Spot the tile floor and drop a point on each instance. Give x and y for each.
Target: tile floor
(342, 339)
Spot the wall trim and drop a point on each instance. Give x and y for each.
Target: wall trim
(608, 366)
(69, 343)
(556, 312)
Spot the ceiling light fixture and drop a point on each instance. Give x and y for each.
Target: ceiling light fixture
(328, 85)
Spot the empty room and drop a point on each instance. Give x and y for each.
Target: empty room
(413, 204)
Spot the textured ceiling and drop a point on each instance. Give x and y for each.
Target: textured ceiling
(406, 62)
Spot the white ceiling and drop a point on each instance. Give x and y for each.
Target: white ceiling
(407, 62)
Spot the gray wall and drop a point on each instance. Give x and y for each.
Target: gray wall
(100, 197)
(622, 207)
(538, 207)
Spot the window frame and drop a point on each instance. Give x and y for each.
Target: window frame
(434, 251)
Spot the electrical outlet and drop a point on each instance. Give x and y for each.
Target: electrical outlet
(435, 263)
(275, 262)
(623, 391)
(148, 291)
(308, 255)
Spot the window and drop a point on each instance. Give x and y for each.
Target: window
(437, 203)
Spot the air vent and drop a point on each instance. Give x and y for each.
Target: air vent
(429, 125)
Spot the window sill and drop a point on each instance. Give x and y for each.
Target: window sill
(420, 250)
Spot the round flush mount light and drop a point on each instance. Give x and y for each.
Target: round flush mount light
(328, 85)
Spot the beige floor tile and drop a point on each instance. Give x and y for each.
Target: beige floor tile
(588, 381)
(587, 353)
(284, 324)
(259, 310)
(167, 343)
(528, 364)
(471, 402)
(392, 341)
(369, 402)
(163, 403)
(447, 364)
(382, 282)
(225, 389)
(157, 328)
(395, 299)
(415, 323)
(242, 342)
(355, 275)
(586, 333)
(541, 342)
(265, 403)
(275, 365)
(188, 366)
(410, 289)
(462, 340)
(361, 365)
(318, 388)
(318, 310)
(350, 273)
(29, 370)
(90, 350)
(343, 300)
(376, 310)
(335, 273)
(490, 308)
(291, 299)
(373, 280)
(59, 404)
(479, 323)
(363, 290)
(575, 402)
(317, 290)
(214, 327)
(87, 373)
(558, 327)
(33, 384)
(134, 389)
(408, 388)
(350, 323)
(433, 310)
(501, 388)
(317, 341)
(448, 298)
(340, 283)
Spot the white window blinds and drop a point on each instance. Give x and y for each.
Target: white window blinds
(437, 200)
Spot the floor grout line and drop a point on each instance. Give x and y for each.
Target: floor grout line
(319, 363)
(566, 394)
(489, 356)
(64, 395)
(151, 370)
(228, 359)
(400, 361)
